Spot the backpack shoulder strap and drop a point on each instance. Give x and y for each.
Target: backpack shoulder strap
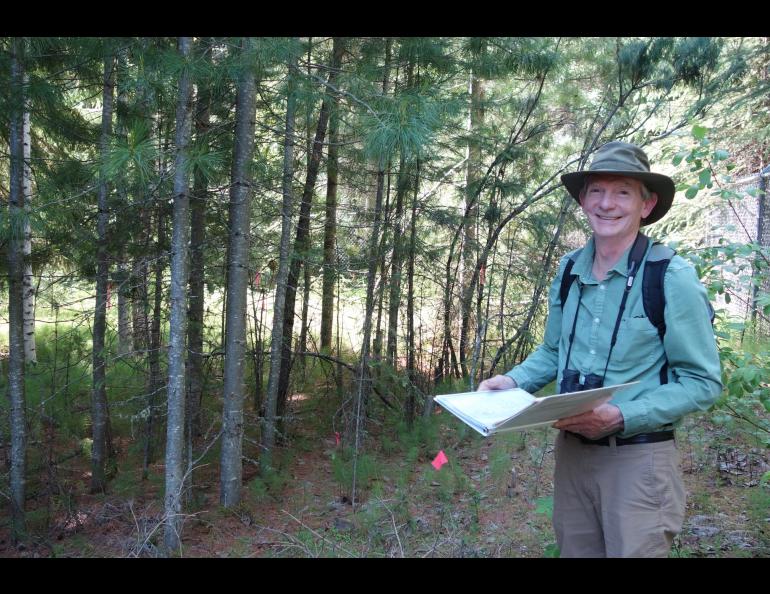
(567, 278)
(652, 285)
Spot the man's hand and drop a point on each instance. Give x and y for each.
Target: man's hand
(605, 419)
(498, 382)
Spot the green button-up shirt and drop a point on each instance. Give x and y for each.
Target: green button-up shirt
(694, 374)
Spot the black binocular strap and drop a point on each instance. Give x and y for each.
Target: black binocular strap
(634, 258)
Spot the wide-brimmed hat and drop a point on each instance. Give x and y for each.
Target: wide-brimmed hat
(628, 160)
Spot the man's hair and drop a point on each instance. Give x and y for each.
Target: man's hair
(645, 191)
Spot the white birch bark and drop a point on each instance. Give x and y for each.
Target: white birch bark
(16, 392)
(30, 353)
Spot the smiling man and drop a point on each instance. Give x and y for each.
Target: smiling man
(618, 489)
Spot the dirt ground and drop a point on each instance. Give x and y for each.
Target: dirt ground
(491, 500)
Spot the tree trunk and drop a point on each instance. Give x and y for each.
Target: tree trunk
(125, 340)
(140, 304)
(362, 375)
(238, 279)
(307, 282)
(30, 352)
(383, 281)
(197, 294)
(99, 411)
(302, 239)
(394, 300)
(394, 296)
(410, 346)
(330, 232)
(271, 400)
(473, 177)
(140, 268)
(152, 338)
(258, 350)
(353, 420)
(16, 391)
(178, 301)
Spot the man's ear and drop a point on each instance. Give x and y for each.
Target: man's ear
(649, 204)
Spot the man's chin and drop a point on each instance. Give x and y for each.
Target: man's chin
(602, 227)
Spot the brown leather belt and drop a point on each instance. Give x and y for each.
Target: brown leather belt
(641, 438)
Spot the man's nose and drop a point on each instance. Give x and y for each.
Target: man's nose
(606, 201)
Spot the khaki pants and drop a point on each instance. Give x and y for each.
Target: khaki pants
(616, 501)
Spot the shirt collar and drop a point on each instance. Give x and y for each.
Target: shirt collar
(584, 263)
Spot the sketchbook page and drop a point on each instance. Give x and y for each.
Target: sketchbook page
(550, 409)
(484, 410)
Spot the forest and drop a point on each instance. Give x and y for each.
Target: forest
(234, 272)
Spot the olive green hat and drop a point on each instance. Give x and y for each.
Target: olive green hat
(622, 158)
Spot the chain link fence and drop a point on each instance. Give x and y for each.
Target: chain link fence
(744, 220)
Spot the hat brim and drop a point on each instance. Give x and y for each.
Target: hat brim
(662, 185)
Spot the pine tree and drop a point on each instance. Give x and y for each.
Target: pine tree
(237, 278)
(102, 447)
(281, 283)
(178, 299)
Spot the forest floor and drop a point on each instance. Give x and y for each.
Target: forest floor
(492, 499)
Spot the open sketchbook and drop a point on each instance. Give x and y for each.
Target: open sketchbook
(494, 411)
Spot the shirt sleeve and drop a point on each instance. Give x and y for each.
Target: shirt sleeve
(541, 367)
(690, 346)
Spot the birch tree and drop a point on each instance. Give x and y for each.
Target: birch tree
(16, 392)
(30, 352)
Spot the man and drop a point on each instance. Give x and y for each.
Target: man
(618, 490)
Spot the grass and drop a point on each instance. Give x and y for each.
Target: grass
(493, 498)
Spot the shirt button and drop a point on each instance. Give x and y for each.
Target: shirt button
(601, 287)
(593, 352)
(596, 320)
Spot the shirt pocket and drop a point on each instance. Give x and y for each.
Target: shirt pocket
(638, 341)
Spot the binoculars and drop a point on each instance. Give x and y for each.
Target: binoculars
(570, 382)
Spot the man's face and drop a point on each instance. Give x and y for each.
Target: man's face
(614, 206)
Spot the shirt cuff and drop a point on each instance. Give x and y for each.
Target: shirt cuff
(521, 378)
(635, 418)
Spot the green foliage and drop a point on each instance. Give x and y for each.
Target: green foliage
(270, 485)
(345, 464)
(544, 100)
(406, 124)
(135, 155)
(500, 462)
(452, 480)
(551, 551)
(745, 362)
(544, 505)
